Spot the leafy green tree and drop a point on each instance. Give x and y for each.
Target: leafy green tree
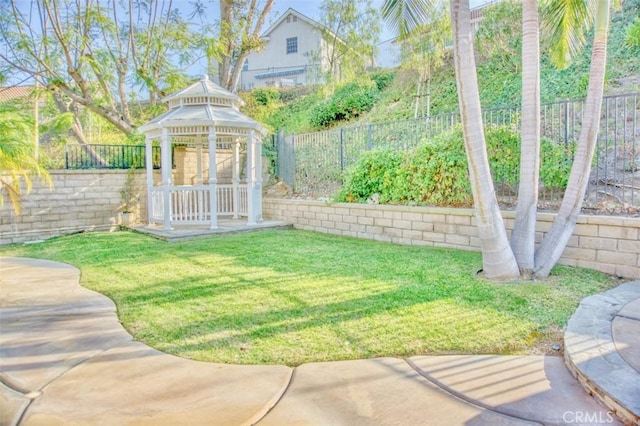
(524, 231)
(498, 259)
(228, 42)
(18, 161)
(558, 236)
(424, 50)
(350, 33)
(86, 52)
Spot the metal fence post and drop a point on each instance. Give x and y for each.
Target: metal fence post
(566, 123)
(341, 148)
(275, 140)
(293, 162)
(370, 138)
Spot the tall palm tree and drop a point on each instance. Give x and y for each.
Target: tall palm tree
(556, 239)
(497, 257)
(567, 21)
(17, 155)
(524, 229)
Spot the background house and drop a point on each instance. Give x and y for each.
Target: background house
(294, 53)
(16, 94)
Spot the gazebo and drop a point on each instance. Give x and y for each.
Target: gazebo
(204, 116)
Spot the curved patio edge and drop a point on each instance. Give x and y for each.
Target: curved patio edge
(65, 358)
(595, 351)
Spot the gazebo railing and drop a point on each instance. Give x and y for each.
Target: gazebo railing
(190, 204)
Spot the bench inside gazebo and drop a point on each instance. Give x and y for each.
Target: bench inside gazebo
(204, 121)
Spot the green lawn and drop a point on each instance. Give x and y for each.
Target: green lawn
(289, 296)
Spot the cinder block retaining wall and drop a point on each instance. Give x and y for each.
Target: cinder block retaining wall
(90, 200)
(80, 200)
(606, 243)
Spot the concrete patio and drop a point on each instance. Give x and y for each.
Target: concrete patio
(65, 359)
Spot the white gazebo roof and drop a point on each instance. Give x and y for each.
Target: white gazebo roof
(193, 110)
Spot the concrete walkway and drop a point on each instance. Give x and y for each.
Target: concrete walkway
(65, 359)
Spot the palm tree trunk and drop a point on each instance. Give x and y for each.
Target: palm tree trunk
(524, 231)
(556, 240)
(497, 257)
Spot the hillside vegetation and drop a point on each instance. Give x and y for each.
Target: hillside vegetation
(387, 95)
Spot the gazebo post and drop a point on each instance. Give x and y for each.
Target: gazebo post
(199, 179)
(257, 197)
(213, 180)
(148, 148)
(166, 177)
(235, 178)
(254, 180)
(251, 220)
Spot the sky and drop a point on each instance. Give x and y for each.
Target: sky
(388, 55)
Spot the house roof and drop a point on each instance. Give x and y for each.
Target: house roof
(8, 94)
(300, 16)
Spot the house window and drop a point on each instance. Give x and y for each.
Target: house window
(292, 45)
(245, 66)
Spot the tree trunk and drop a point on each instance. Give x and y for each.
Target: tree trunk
(237, 71)
(556, 240)
(497, 257)
(76, 129)
(524, 231)
(224, 65)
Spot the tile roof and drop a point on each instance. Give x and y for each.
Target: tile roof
(16, 92)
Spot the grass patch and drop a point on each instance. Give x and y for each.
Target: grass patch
(290, 296)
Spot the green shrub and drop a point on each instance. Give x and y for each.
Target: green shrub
(503, 149)
(371, 174)
(382, 79)
(294, 117)
(265, 95)
(555, 164)
(632, 34)
(323, 114)
(436, 173)
(349, 101)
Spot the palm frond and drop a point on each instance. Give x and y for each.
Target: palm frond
(565, 24)
(404, 16)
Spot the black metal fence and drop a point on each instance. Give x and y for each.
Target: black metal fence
(82, 156)
(314, 162)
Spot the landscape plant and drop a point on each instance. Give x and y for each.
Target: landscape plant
(436, 172)
(18, 160)
(349, 101)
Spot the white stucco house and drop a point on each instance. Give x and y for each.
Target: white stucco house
(295, 53)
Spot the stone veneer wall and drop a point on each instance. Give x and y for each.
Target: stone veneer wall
(80, 200)
(609, 244)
